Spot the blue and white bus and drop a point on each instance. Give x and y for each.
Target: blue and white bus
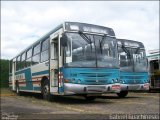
(69, 60)
(133, 66)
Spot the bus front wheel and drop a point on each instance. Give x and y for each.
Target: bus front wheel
(45, 90)
(122, 94)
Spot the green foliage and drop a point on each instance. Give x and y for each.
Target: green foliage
(4, 74)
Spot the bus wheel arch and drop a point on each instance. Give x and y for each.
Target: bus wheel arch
(42, 81)
(17, 88)
(45, 88)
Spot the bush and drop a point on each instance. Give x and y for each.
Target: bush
(4, 76)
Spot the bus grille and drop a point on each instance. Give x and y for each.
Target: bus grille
(95, 78)
(132, 79)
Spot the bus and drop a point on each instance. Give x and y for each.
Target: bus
(133, 66)
(69, 60)
(154, 65)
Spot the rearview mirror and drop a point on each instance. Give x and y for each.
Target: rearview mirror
(63, 40)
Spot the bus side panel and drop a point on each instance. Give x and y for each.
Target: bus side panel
(24, 79)
(38, 72)
(10, 81)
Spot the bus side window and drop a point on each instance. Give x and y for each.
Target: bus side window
(36, 54)
(10, 66)
(44, 53)
(17, 63)
(23, 60)
(28, 57)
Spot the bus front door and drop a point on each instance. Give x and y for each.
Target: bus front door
(54, 65)
(13, 74)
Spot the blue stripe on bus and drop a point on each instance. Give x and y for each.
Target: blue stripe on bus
(41, 72)
(27, 72)
(37, 88)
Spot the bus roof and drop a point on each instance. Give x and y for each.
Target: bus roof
(131, 43)
(72, 26)
(85, 27)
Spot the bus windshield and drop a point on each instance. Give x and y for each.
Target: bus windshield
(140, 60)
(132, 58)
(87, 50)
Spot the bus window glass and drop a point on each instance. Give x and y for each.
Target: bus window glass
(45, 45)
(36, 49)
(91, 51)
(35, 59)
(36, 54)
(29, 53)
(28, 62)
(44, 55)
(132, 56)
(23, 62)
(55, 50)
(10, 66)
(18, 63)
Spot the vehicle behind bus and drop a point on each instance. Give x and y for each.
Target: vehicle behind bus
(69, 60)
(133, 66)
(154, 65)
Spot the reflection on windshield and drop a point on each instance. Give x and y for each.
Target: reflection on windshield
(140, 61)
(92, 51)
(132, 59)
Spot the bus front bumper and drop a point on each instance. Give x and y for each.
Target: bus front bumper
(70, 88)
(136, 87)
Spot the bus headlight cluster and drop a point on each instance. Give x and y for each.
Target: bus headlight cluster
(146, 81)
(76, 80)
(115, 80)
(122, 81)
(79, 81)
(73, 80)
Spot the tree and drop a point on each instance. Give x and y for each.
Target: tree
(4, 70)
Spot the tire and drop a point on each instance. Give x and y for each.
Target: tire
(90, 98)
(46, 91)
(122, 94)
(17, 89)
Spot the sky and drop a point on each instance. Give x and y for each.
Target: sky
(23, 23)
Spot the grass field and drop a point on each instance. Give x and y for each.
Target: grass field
(6, 92)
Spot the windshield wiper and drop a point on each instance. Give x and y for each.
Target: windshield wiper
(126, 51)
(137, 50)
(86, 38)
(100, 43)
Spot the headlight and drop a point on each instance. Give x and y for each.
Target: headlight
(146, 81)
(79, 81)
(115, 80)
(122, 81)
(73, 80)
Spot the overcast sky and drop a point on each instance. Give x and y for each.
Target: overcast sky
(22, 23)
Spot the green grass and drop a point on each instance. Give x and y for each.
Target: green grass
(6, 91)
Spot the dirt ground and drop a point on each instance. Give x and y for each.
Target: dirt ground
(109, 106)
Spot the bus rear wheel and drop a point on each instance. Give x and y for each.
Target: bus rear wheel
(45, 90)
(122, 94)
